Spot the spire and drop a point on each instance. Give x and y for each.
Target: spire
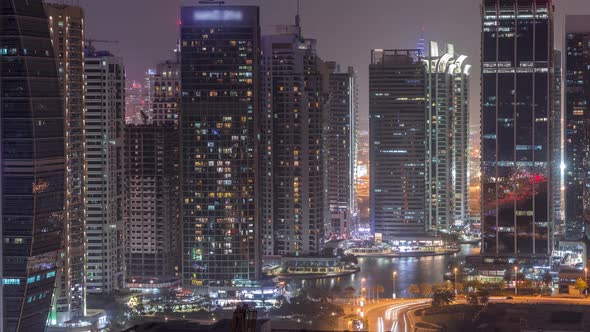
(421, 45)
(298, 21)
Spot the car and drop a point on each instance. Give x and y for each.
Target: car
(509, 298)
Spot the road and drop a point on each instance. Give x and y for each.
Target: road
(540, 300)
(393, 317)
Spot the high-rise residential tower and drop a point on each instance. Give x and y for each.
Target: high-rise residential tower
(447, 144)
(220, 56)
(397, 114)
(105, 102)
(66, 26)
(292, 167)
(517, 94)
(165, 93)
(33, 175)
(152, 184)
(152, 203)
(577, 122)
(340, 150)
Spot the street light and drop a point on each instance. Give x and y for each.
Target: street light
(515, 281)
(586, 280)
(394, 277)
(455, 286)
(363, 287)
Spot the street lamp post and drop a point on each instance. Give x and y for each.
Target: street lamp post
(515, 281)
(394, 286)
(455, 270)
(586, 280)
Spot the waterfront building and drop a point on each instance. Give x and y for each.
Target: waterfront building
(292, 178)
(341, 150)
(517, 103)
(66, 26)
(152, 203)
(397, 114)
(577, 120)
(104, 117)
(33, 166)
(447, 142)
(220, 56)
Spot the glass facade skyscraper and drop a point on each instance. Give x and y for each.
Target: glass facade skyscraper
(33, 166)
(577, 122)
(517, 69)
(397, 114)
(220, 57)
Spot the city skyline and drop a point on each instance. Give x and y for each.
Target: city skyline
(295, 163)
(383, 24)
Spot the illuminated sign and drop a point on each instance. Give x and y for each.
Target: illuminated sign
(217, 15)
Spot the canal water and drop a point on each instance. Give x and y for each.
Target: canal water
(379, 271)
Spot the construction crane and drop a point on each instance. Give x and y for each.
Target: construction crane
(90, 41)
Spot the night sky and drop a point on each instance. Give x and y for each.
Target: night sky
(346, 30)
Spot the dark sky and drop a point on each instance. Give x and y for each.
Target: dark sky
(346, 30)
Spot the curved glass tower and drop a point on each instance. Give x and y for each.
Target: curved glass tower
(32, 165)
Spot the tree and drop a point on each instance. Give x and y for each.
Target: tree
(414, 289)
(547, 279)
(483, 296)
(349, 291)
(280, 300)
(442, 297)
(580, 284)
(426, 289)
(472, 299)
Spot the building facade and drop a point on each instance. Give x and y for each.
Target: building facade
(105, 101)
(517, 70)
(219, 97)
(66, 26)
(292, 165)
(165, 93)
(577, 122)
(397, 129)
(556, 128)
(447, 144)
(152, 203)
(341, 150)
(33, 166)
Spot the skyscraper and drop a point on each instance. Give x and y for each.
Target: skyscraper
(447, 144)
(397, 114)
(105, 100)
(292, 140)
(33, 166)
(340, 150)
(66, 26)
(517, 70)
(219, 83)
(152, 203)
(577, 122)
(165, 93)
(555, 143)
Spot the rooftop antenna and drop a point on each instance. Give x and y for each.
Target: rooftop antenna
(298, 20)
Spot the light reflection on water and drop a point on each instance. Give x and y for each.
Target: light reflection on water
(410, 270)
